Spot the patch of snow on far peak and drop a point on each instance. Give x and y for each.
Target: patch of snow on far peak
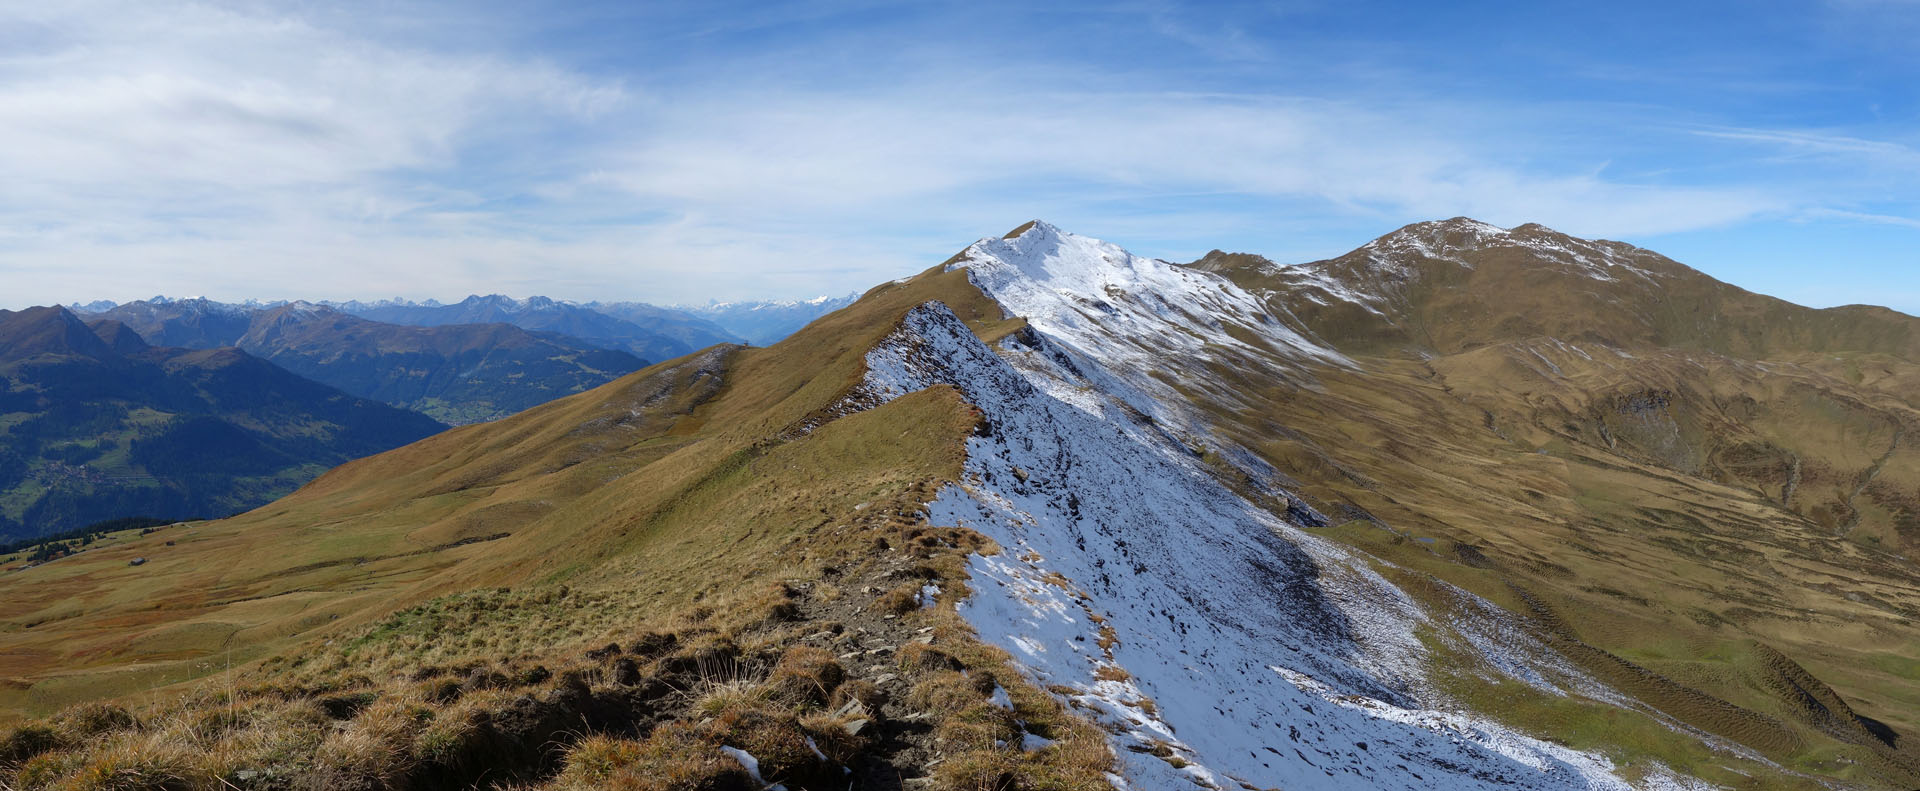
(1254, 652)
(1318, 286)
(1447, 240)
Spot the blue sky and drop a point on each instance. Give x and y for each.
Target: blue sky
(676, 152)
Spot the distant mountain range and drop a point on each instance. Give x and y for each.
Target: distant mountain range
(652, 332)
(98, 425)
(454, 373)
(443, 363)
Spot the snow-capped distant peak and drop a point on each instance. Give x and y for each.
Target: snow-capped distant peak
(301, 310)
(499, 300)
(516, 305)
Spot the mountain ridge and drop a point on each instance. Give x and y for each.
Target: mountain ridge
(1485, 556)
(663, 336)
(1424, 296)
(656, 332)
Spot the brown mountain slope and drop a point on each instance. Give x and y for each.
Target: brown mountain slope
(1562, 339)
(1700, 480)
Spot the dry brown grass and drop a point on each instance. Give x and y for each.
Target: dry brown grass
(675, 757)
(808, 675)
(372, 654)
(899, 600)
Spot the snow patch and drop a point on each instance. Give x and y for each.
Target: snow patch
(752, 765)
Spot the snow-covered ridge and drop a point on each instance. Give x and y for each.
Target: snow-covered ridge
(1135, 315)
(1190, 617)
(1090, 293)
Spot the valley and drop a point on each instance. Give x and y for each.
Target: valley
(100, 426)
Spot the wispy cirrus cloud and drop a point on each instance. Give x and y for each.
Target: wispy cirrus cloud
(1864, 151)
(1878, 219)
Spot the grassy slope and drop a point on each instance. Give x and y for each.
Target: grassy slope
(660, 473)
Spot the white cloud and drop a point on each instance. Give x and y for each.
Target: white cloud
(174, 147)
(185, 113)
(828, 154)
(1877, 154)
